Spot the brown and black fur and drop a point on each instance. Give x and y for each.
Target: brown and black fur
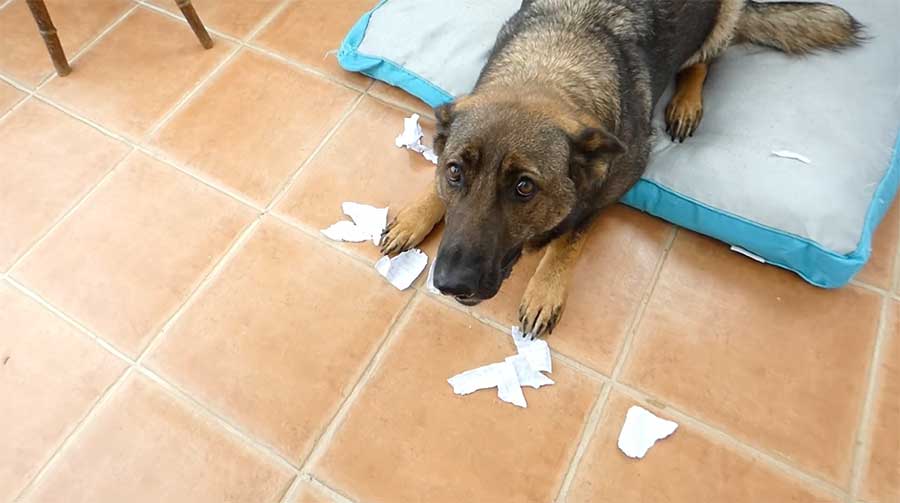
(559, 127)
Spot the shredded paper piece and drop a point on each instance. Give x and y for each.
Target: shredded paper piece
(508, 376)
(402, 270)
(751, 255)
(368, 224)
(411, 138)
(642, 429)
(787, 154)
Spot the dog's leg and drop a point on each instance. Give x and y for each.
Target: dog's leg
(545, 297)
(686, 108)
(413, 224)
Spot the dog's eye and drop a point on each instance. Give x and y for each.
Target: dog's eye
(525, 188)
(454, 174)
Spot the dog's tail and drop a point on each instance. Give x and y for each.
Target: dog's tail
(798, 27)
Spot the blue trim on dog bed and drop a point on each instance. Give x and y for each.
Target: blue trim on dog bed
(814, 263)
(385, 70)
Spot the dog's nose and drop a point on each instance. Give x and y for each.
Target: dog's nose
(460, 281)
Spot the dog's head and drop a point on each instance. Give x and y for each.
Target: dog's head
(510, 173)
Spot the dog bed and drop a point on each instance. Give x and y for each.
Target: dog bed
(796, 160)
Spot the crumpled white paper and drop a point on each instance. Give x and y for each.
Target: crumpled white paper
(402, 270)
(368, 224)
(642, 429)
(411, 138)
(787, 154)
(508, 376)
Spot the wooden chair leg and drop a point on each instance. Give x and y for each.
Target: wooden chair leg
(48, 31)
(196, 24)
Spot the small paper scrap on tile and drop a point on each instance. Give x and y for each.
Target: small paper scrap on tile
(368, 224)
(522, 369)
(641, 431)
(402, 270)
(411, 138)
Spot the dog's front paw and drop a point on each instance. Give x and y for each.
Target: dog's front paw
(683, 116)
(542, 306)
(406, 231)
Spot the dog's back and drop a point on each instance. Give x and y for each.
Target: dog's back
(593, 44)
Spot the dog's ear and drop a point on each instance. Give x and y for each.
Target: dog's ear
(444, 115)
(594, 142)
(592, 149)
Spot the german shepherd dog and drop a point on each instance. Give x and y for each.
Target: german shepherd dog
(559, 127)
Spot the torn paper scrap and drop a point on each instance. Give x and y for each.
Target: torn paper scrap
(528, 375)
(500, 375)
(751, 255)
(402, 270)
(429, 281)
(346, 230)
(430, 155)
(522, 369)
(536, 351)
(368, 224)
(476, 379)
(412, 134)
(787, 154)
(508, 387)
(411, 138)
(642, 429)
(368, 218)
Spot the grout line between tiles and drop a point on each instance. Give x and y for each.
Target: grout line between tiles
(590, 429)
(197, 89)
(18, 104)
(871, 288)
(69, 212)
(4, 3)
(335, 495)
(173, 389)
(77, 325)
(316, 235)
(233, 249)
(337, 420)
(70, 438)
(587, 434)
(286, 186)
(248, 43)
(863, 444)
(306, 68)
(863, 429)
(635, 324)
(223, 421)
(772, 460)
(292, 489)
(88, 46)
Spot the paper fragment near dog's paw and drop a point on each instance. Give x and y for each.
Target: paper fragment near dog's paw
(411, 138)
(642, 429)
(508, 376)
(527, 374)
(368, 224)
(502, 376)
(346, 231)
(402, 270)
(368, 218)
(537, 351)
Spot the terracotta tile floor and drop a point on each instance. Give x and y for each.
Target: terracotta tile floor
(174, 329)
